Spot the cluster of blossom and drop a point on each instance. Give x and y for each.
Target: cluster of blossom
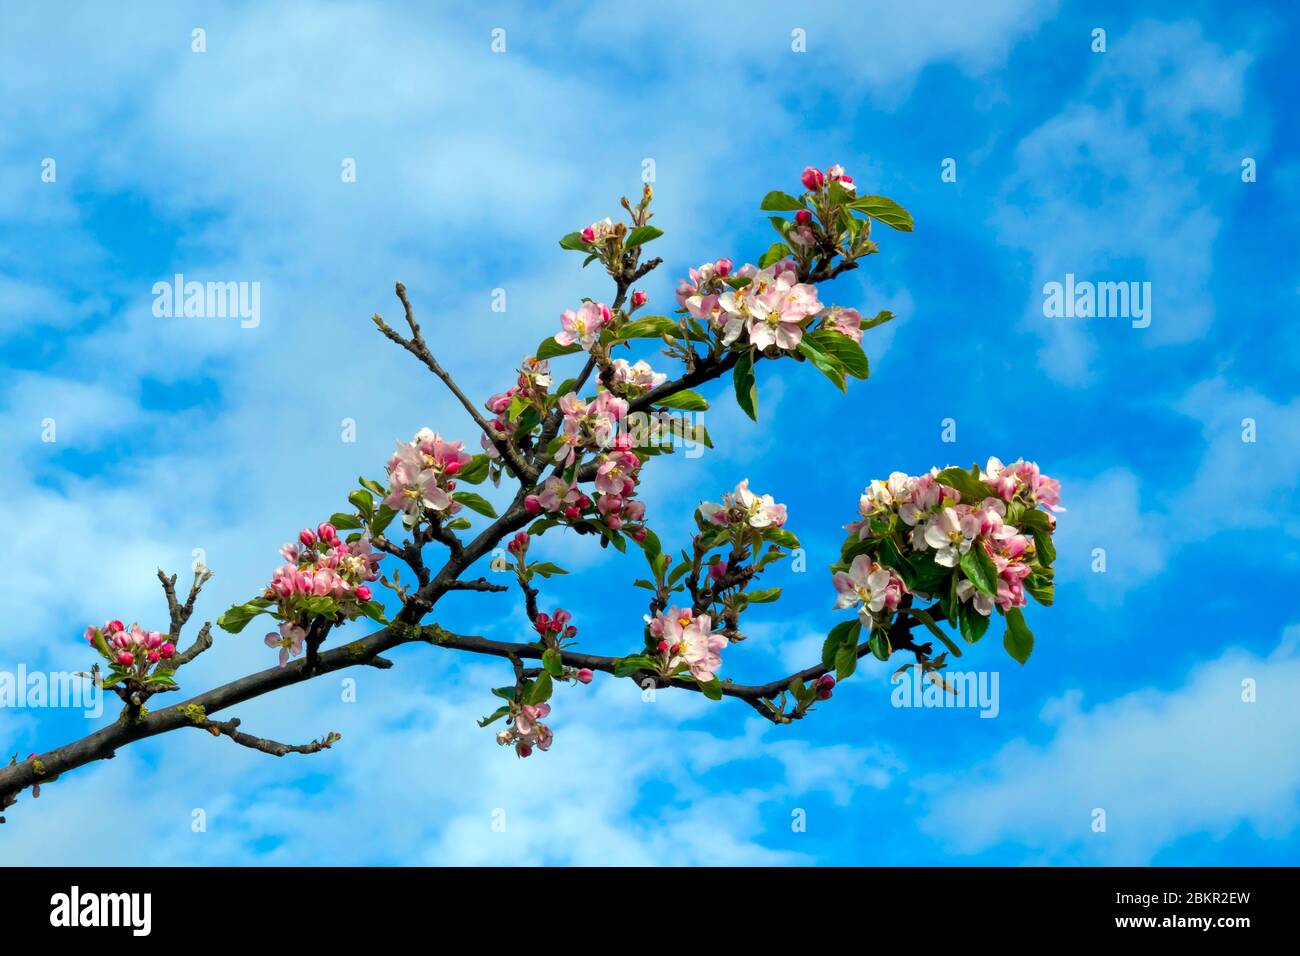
(635, 377)
(814, 180)
(320, 564)
(687, 640)
(533, 381)
(133, 648)
(946, 528)
(588, 425)
(556, 626)
(742, 507)
(773, 309)
(527, 731)
(617, 473)
(420, 476)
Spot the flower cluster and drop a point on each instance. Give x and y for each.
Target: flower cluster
(553, 627)
(687, 642)
(588, 425)
(527, 731)
(420, 476)
(635, 377)
(131, 651)
(530, 387)
(742, 507)
(984, 523)
(323, 576)
(617, 473)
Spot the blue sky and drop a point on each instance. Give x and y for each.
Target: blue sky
(182, 434)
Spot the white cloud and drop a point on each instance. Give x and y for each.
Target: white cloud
(1162, 764)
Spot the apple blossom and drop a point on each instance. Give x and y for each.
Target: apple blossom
(743, 507)
(873, 589)
(583, 327)
(687, 642)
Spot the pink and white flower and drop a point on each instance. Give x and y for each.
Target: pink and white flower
(584, 326)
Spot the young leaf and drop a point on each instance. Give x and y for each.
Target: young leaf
(844, 634)
(363, 501)
(550, 349)
(647, 327)
(641, 235)
(476, 471)
(742, 377)
(885, 210)
(237, 617)
(777, 201)
(712, 688)
(1019, 639)
(765, 596)
(686, 401)
(879, 644)
(828, 365)
(574, 241)
(846, 662)
(475, 503)
(844, 350)
(984, 577)
(552, 662)
(775, 253)
(344, 522)
(539, 691)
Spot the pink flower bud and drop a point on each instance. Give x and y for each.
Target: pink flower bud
(121, 640)
(154, 640)
(571, 512)
(585, 675)
(327, 532)
(307, 537)
(167, 650)
(542, 622)
(723, 267)
(154, 657)
(614, 522)
(125, 658)
(803, 217)
(533, 505)
(639, 535)
(812, 178)
(114, 626)
(363, 593)
(589, 235)
(662, 645)
(570, 632)
(717, 570)
(605, 314)
(523, 749)
(451, 468)
(639, 298)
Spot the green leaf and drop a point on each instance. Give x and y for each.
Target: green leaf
(476, 471)
(846, 662)
(237, 617)
(685, 400)
(550, 349)
(712, 689)
(383, 518)
(879, 644)
(844, 634)
(1019, 639)
(574, 241)
(475, 502)
(764, 596)
(827, 364)
(641, 235)
(648, 327)
(552, 662)
(844, 350)
(345, 522)
(746, 390)
(775, 253)
(973, 623)
(460, 524)
(505, 693)
(539, 691)
(777, 201)
(363, 501)
(885, 210)
(627, 666)
(967, 484)
(494, 716)
(981, 573)
(780, 536)
(546, 569)
(1041, 589)
(375, 611)
(881, 318)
